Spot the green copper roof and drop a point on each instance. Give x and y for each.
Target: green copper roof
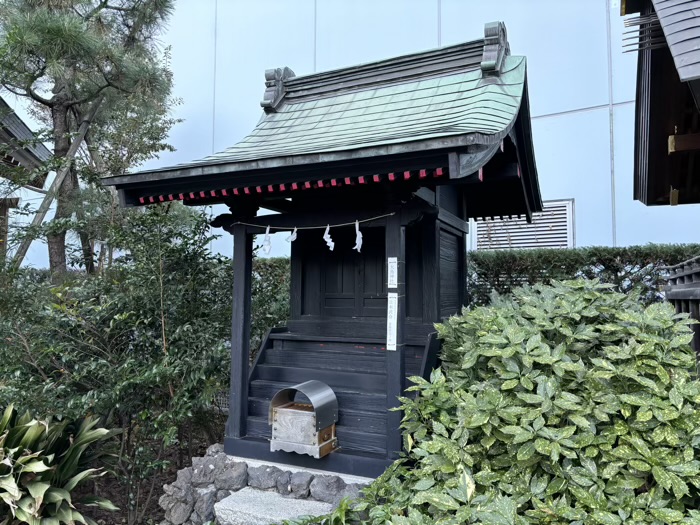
(421, 109)
(451, 109)
(455, 96)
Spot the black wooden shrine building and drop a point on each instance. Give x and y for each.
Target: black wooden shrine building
(414, 146)
(666, 35)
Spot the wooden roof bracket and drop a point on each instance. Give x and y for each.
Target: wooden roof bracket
(466, 165)
(496, 48)
(679, 143)
(275, 88)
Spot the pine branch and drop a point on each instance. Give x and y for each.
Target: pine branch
(99, 7)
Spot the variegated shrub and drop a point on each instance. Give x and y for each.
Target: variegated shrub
(563, 404)
(41, 463)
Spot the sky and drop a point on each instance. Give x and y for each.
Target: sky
(581, 86)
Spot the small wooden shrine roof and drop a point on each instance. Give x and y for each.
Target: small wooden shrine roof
(351, 114)
(680, 21)
(366, 120)
(22, 151)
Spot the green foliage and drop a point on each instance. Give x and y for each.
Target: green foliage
(88, 45)
(628, 268)
(565, 404)
(270, 297)
(68, 58)
(144, 344)
(41, 464)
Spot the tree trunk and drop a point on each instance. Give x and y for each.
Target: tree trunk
(99, 165)
(4, 212)
(85, 241)
(56, 185)
(57, 239)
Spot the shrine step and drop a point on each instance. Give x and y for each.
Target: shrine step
(348, 398)
(333, 353)
(257, 507)
(321, 346)
(372, 422)
(363, 381)
(328, 357)
(349, 439)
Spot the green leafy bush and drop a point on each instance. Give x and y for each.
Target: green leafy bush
(565, 404)
(627, 268)
(41, 463)
(144, 344)
(270, 297)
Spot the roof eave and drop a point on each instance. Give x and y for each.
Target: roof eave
(13, 133)
(275, 163)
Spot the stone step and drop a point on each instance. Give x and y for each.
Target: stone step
(256, 507)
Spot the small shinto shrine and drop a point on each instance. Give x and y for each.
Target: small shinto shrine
(374, 171)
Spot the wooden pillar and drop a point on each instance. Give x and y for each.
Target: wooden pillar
(240, 333)
(5, 205)
(296, 283)
(395, 367)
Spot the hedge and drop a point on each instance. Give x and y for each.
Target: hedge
(628, 268)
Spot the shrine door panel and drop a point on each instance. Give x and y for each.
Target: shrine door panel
(342, 282)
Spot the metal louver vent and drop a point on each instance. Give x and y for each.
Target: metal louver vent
(553, 227)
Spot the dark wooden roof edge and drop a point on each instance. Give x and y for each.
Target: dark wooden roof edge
(681, 27)
(680, 21)
(630, 7)
(20, 131)
(15, 133)
(9, 202)
(526, 153)
(187, 171)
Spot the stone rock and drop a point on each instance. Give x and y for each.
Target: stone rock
(184, 478)
(284, 483)
(231, 476)
(263, 477)
(204, 506)
(299, 484)
(221, 494)
(213, 450)
(166, 501)
(179, 512)
(179, 493)
(351, 491)
(326, 488)
(203, 471)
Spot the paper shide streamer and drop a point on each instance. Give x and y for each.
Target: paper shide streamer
(328, 239)
(292, 236)
(358, 237)
(267, 243)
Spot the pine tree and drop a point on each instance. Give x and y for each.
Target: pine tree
(75, 58)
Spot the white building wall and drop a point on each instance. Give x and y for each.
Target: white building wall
(581, 86)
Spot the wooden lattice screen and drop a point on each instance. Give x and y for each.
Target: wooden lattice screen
(683, 291)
